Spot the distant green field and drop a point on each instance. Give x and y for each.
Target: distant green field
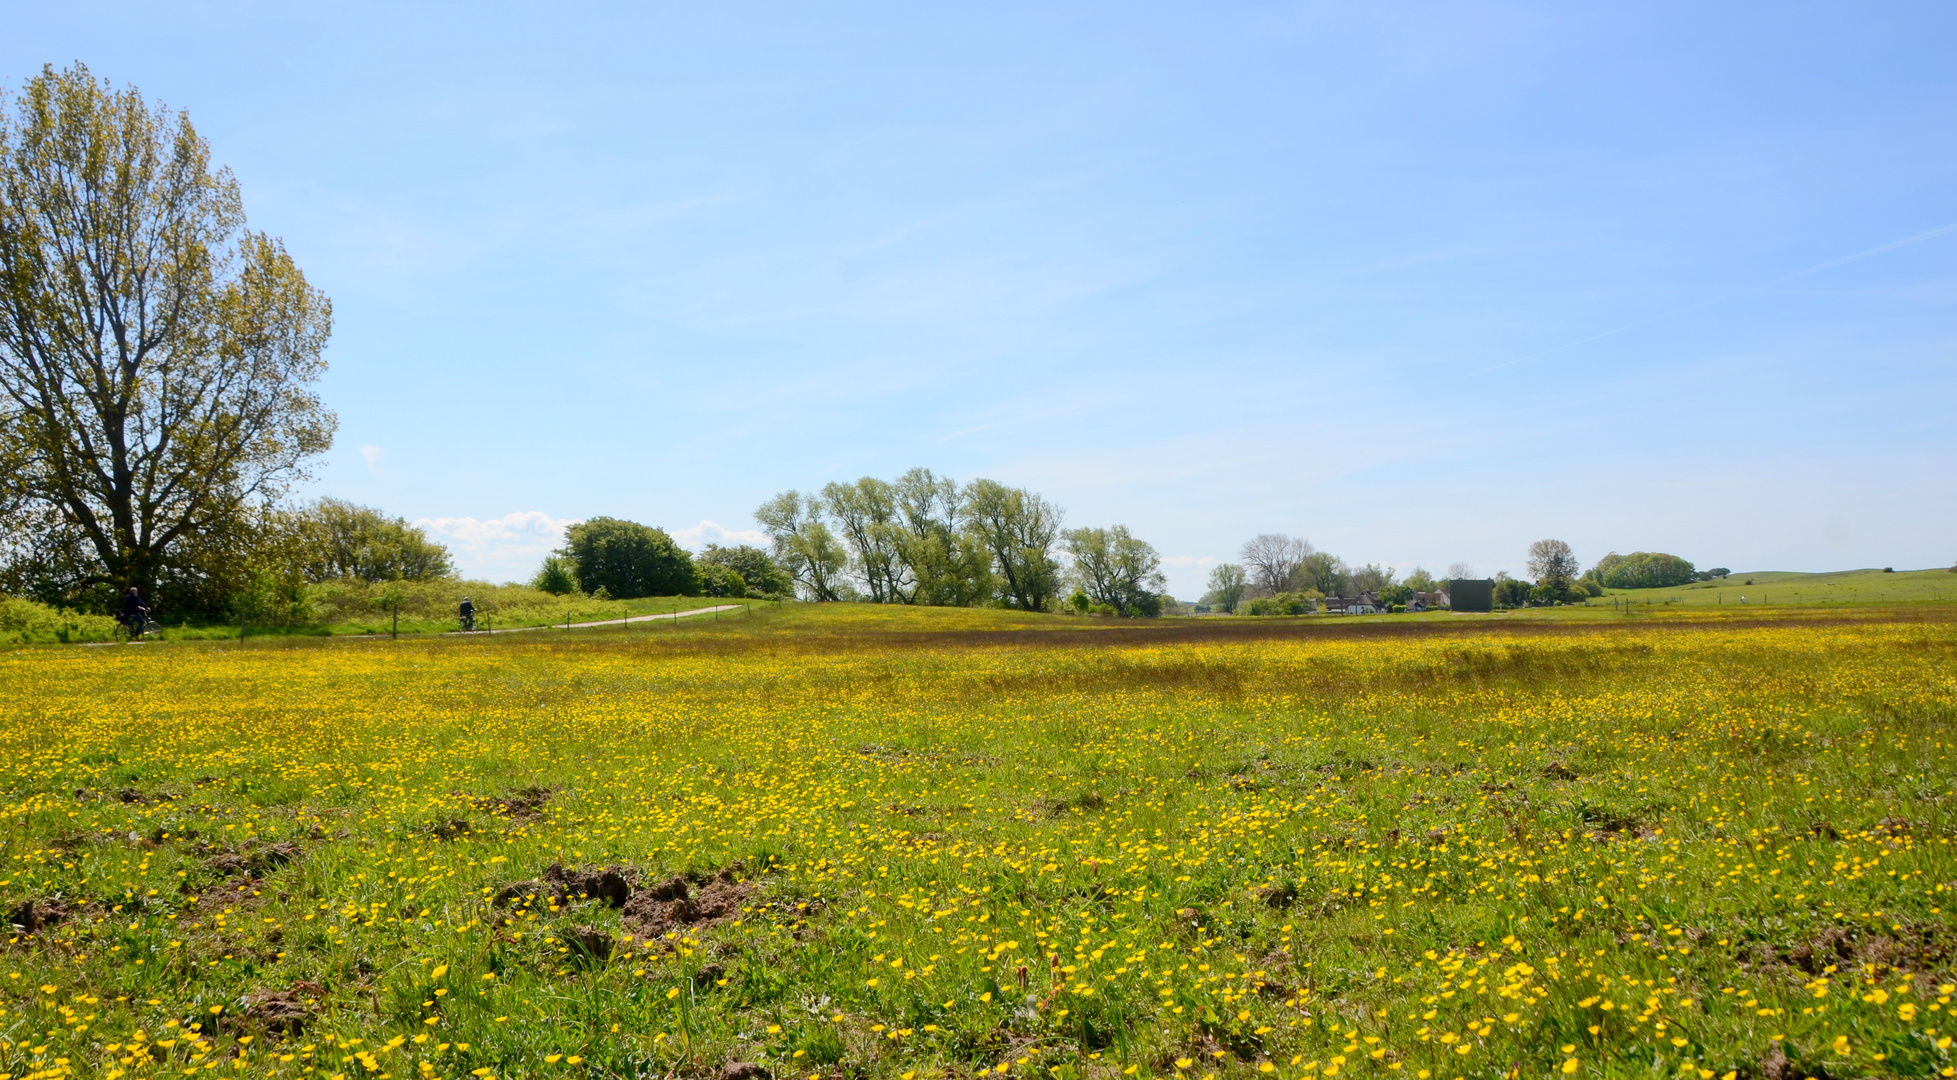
(1782, 587)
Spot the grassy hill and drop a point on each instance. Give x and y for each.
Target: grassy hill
(1784, 587)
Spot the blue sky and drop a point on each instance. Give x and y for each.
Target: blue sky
(1422, 283)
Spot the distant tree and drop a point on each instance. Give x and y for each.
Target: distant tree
(945, 563)
(627, 559)
(1271, 559)
(1552, 561)
(1321, 572)
(1642, 570)
(762, 575)
(1227, 584)
(804, 545)
(1396, 594)
(557, 576)
(1512, 592)
(1713, 574)
(338, 540)
(865, 513)
(157, 358)
(1019, 531)
(1371, 578)
(1420, 581)
(1116, 569)
(1460, 571)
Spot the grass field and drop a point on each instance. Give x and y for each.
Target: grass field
(1849, 587)
(847, 841)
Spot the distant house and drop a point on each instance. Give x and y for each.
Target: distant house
(1363, 604)
(1472, 594)
(1433, 600)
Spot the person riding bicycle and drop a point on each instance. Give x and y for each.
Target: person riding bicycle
(135, 613)
(468, 614)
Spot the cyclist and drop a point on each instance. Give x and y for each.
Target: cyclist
(134, 612)
(468, 615)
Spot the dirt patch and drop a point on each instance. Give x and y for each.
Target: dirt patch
(743, 1070)
(587, 943)
(1556, 770)
(44, 913)
(679, 903)
(450, 829)
(559, 886)
(523, 804)
(253, 862)
(283, 1011)
(1929, 948)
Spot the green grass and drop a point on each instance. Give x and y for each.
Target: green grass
(965, 841)
(1778, 587)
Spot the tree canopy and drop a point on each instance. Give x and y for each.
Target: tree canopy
(627, 559)
(1642, 570)
(337, 539)
(157, 358)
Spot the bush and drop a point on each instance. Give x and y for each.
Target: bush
(24, 621)
(1284, 603)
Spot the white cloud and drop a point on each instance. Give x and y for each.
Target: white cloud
(373, 456)
(712, 532)
(499, 549)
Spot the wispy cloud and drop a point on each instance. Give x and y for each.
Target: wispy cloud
(373, 455)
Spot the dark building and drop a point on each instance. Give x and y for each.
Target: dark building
(1472, 594)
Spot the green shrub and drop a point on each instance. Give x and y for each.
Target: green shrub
(24, 621)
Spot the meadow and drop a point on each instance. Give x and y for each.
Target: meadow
(845, 841)
(1771, 587)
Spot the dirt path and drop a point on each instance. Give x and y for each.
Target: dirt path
(621, 621)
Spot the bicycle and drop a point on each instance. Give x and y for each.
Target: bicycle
(132, 630)
(468, 623)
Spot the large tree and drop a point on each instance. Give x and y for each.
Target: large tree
(157, 358)
(1019, 530)
(1272, 559)
(339, 540)
(946, 562)
(866, 514)
(1552, 563)
(1227, 583)
(804, 544)
(1116, 569)
(627, 559)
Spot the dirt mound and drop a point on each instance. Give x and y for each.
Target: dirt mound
(283, 1011)
(678, 903)
(523, 804)
(559, 886)
(1930, 948)
(44, 913)
(252, 862)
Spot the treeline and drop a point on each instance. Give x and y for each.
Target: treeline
(624, 560)
(1278, 574)
(925, 539)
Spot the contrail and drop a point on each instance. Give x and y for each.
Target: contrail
(1815, 269)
